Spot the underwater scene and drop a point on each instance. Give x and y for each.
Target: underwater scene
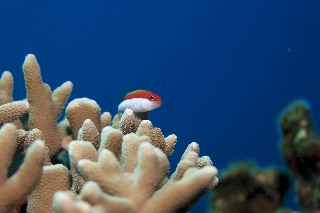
(225, 93)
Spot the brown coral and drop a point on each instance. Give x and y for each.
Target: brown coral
(45, 106)
(6, 88)
(300, 148)
(119, 178)
(244, 187)
(12, 111)
(80, 109)
(119, 188)
(55, 178)
(14, 189)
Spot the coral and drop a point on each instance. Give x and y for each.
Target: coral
(244, 187)
(111, 139)
(165, 144)
(55, 178)
(13, 190)
(78, 110)
(105, 119)
(45, 106)
(301, 152)
(12, 111)
(6, 88)
(89, 132)
(129, 122)
(79, 150)
(6, 91)
(117, 186)
(120, 174)
(82, 163)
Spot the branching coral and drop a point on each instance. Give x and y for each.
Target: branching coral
(45, 106)
(122, 169)
(120, 174)
(14, 189)
(12, 111)
(136, 191)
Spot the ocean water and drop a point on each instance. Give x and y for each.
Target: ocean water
(225, 69)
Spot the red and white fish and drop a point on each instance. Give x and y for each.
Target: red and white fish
(140, 101)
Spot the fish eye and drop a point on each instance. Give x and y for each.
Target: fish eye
(151, 97)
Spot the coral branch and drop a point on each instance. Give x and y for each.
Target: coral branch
(12, 111)
(6, 88)
(79, 150)
(14, 189)
(193, 184)
(93, 194)
(55, 178)
(78, 110)
(60, 97)
(89, 132)
(111, 139)
(45, 108)
(63, 202)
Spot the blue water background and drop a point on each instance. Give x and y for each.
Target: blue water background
(224, 68)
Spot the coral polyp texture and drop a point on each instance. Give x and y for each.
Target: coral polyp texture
(88, 162)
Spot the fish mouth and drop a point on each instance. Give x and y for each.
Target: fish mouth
(151, 106)
(156, 104)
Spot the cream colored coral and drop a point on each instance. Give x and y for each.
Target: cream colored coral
(190, 161)
(80, 109)
(142, 168)
(65, 202)
(16, 188)
(137, 191)
(55, 178)
(45, 106)
(113, 170)
(12, 111)
(33, 135)
(129, 122)
(6, 92)
(6, 88)
(105, 119)
(111, 139)
(89, 132)
(80, 150)
(130, 147)
(155, 134)
(20, 139)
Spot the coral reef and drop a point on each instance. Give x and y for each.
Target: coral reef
(300, 149)
(244, 187)
(88, 162)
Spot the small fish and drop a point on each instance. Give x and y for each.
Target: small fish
(140, 101)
